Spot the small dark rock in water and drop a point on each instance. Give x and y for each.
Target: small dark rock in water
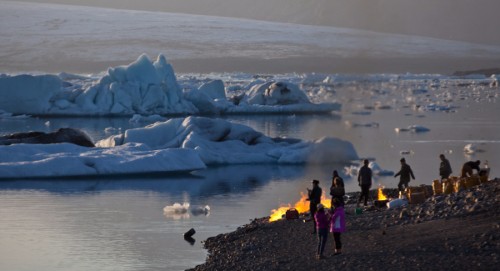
(189, 233)
(63, 135)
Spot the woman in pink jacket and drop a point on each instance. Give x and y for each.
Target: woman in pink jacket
(337, 225)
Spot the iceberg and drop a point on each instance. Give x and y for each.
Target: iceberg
(145, 88)
(220, 142)
(176, 145)
(66, 159)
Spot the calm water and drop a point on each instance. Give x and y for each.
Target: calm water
(118, 223)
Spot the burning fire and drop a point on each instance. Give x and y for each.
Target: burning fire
(381, 195)
(302, 206)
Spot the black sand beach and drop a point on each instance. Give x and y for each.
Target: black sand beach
(447, 232)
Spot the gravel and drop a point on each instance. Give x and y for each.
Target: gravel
(455, 231)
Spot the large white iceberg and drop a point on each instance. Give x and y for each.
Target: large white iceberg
(65, 159)
(175, 145)
(221, 142)
(147, 88)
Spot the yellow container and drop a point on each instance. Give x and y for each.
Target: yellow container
(459, 185)
(447, 187)
(473, 181)
(437, 187)
(483, 178)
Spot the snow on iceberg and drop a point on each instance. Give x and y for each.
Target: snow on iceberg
(147, 88)
(221, 142)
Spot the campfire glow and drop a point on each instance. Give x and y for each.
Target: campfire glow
(381, 195)
(302, 206)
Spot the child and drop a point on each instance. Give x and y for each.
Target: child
(337, 225)
(322, 222)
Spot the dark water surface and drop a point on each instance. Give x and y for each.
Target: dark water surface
(117, 223)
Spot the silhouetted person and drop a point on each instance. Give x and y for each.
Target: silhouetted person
(365, 182)
(337, 190)
(444, 167)
(314, 199)
(468, 167)
(405, 172)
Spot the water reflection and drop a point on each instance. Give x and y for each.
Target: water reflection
(206, 183)
(281, 125)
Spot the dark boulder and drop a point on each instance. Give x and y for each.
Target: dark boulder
(63, 135)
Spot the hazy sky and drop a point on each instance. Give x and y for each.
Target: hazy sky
(465, 20)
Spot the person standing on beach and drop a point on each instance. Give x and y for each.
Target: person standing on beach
(322, 222)
(444, 167)
(337, 225)
(365, 182)
(314, 199)
(337, 190)
(405, 173)
(467, 168)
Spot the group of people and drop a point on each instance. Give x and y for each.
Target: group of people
(365, 176)
(333, 220)
(467, 168)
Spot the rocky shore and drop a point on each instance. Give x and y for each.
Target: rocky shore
(446, 232)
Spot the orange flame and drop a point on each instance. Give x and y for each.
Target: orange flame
(302, 206)
(381, 195)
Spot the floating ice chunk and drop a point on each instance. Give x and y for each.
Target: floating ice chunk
(470, 148)
(354, 125)
(399, 130)
(176, 208)
(276, 93)
(381, 106)
(434, 107)
(413, 129)
(418, 128)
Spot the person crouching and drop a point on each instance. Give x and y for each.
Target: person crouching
(322, 221)
(337, 225)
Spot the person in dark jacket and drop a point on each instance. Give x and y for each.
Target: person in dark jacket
(468, 167)
(337, 190)
(365, 182)
(405, 173)
(444, 167)
(314, 199)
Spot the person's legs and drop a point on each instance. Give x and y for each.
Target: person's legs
(322, 238)
(338, 243)
(400, 186)
(365, 192)
(313, 210)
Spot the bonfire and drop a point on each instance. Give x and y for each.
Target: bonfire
(302, 206)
